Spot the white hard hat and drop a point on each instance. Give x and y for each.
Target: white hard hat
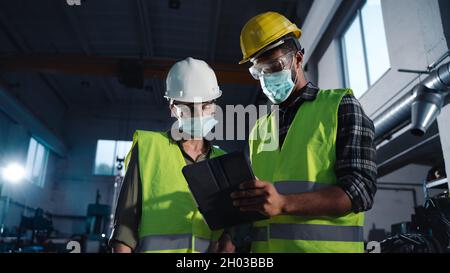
(192, 80)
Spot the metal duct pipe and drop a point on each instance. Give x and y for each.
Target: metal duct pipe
(439, 79)
(425, 108)
(393, 118)
(421, 107)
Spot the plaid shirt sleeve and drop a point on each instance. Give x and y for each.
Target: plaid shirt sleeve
(355, 166)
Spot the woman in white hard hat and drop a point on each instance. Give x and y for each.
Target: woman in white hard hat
(156, 211)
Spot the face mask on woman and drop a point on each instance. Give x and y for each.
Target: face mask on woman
(197, 127)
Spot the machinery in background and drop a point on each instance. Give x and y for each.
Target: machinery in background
(34, 234)
(100, 219)
(429, 229)
(97, 217)
(40, 226)
(118, 180)
(97, 220)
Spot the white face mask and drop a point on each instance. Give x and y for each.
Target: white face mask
(278, 86)
(197, 127)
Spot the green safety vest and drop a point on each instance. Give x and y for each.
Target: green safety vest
(304, 163)
(170, 220)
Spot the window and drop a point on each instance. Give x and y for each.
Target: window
(37, 160)
(364, 48)
(107, 153)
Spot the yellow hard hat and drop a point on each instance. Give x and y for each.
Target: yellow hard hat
(262, 30)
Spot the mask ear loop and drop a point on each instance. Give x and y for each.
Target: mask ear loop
(178, 111)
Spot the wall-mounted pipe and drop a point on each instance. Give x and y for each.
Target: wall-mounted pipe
(420, 107)
(425, 108)
(393, 118)
(429, 99)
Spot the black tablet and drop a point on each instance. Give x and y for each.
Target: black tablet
(211, 183)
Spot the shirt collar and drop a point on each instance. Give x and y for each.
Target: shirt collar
(309, 92)
(306, 93)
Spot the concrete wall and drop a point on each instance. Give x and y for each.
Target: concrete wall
(330, 73)
(415, 38)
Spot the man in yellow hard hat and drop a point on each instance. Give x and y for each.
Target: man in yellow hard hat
(320, 179)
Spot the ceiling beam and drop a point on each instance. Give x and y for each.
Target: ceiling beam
(107, 66)
(22, 46)
(76, 27)
(13, 35)
(106, 86)
(146, 32)
(84, 43)
(146, 38)
(54, 87)
(217, 6)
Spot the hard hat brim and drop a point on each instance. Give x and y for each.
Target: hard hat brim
(201, 100)
(297, 33)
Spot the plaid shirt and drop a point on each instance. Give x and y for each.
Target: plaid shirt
(355, 166)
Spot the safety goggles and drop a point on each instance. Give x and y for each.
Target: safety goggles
(269, 67)
(195, 109)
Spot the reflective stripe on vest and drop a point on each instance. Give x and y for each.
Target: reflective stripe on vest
(308, 232)
(172, 242)
(201, 245)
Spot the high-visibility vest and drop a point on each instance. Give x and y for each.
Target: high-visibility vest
(304, 163)
(170, 220)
